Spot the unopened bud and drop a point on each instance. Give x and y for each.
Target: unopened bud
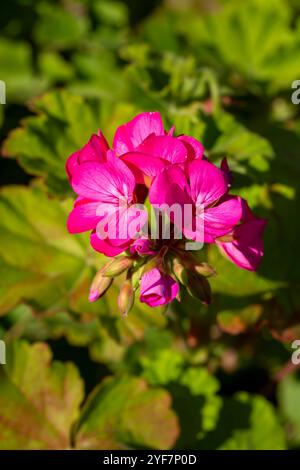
(151, 264)
(198, 287)
(99, 286)
(118, 266)
(179, 271)
(136, 276)
(205, 270)
(126, 297)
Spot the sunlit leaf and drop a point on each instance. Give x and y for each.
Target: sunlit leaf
(112, 416)
(39, 400)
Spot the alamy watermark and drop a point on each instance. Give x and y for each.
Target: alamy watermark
(2, 92)
(163, 221)
(2, 352)
(296, 354)
(296, 94)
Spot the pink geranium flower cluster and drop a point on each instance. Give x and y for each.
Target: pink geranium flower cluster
(147, 164)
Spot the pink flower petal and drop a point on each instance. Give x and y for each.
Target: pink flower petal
(157, 288)
(171, 131)
(222, 218)
(165, 147)
(104, 182)
(141, 164)
(226, 171)
(94, 150)
(207, 182)
(83, 217)
(72, 164)
(105, 246)
(170, 187)
(247, 213)
(126, 223)
(170, 193)
(142, 246)
(194, 148)
(246, 250)
(129, 136)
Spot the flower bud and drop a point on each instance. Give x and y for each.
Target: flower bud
(198, 287)
(205, 270)
(151, 264)
(126, 297)
(157, 288)
(179, 271)
(118, 266)
(99, 286)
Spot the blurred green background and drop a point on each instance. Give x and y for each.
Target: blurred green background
(78, 375)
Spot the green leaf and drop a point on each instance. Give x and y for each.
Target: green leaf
(39, 401)
(197, 405)
(200, 382)
(99, 76)
(63, 124)
(52, 271)
(17, 71)
(167, 39)
(112, 417)
(39, 260)
(237, 141)
(237, 282)
(194, 386)
(54, 67)
(163, 368)
(40, 407)
(112, 13)
(252, 41)
(65, 28)
(288, 396)
(246, 423)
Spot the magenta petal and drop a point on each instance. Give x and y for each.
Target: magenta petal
(170, 193)
(95, 150)
(207, 182)
(246, 250)
(157, 288)
(226, 171)
(83, 217)
(222, 218)
(120, 167)
(165, 147)
(170, 187)
(104, 182)
(142, 246)
(137, 217)
(194, 148)
(72, 164)
(247, 213)
(105, 246)
(141, 164)
(171, 131)
(129, 136)
(127, 223)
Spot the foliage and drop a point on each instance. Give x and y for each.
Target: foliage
(41, 406)
(194, 376)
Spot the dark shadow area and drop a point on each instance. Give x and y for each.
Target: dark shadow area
(91, 372)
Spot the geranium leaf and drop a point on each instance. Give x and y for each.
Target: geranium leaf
(63, 124)
(112, 416)
(39, 401)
